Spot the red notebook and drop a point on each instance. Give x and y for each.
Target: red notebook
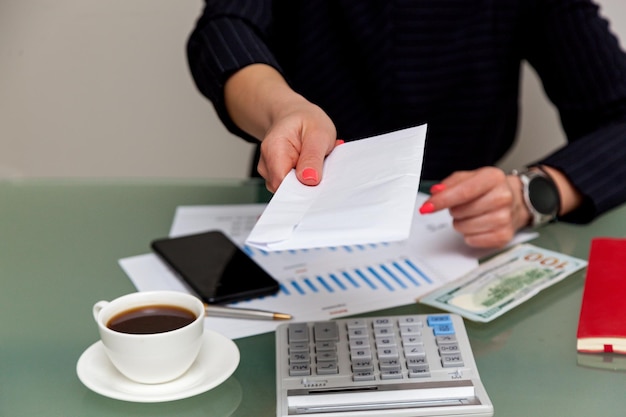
(602, 321)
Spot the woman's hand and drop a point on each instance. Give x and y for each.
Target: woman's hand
(486, 205)
(299, 137)
(294, 132)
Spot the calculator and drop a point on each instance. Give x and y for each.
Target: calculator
(405, 366)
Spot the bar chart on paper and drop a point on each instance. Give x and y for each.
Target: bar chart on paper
(332, 282)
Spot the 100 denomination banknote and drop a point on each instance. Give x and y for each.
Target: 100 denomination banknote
(503, 282)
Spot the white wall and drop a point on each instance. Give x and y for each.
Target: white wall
(93, 88)
(99, 88)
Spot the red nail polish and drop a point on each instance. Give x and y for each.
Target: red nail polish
(339, 142)
(309, 174)
(437, 188)
(427, 208)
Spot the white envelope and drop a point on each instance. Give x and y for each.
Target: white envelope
(366, 195)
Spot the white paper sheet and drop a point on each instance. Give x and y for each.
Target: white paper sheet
(366, 195)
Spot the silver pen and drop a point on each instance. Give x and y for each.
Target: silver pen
(212, 310)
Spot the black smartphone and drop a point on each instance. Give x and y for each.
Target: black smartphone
(215, 268)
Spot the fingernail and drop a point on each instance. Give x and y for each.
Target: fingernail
(339, 142)
(437, 188)
(309, 174)
(427, 208)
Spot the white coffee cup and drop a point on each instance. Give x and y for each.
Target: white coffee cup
(155, 357)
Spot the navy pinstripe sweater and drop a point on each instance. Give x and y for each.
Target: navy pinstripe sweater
(377, 66)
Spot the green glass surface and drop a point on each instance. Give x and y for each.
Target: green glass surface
(59, 246)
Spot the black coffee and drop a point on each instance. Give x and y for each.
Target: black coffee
(151, 319)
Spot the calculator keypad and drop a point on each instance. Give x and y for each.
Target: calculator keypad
(386, 348)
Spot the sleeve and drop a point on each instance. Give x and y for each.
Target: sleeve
(229, 35)
(583, 70)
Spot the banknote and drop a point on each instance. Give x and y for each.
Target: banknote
(503, 282)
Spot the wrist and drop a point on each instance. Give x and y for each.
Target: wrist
(522, 216)
(569, 195)
(256, 95)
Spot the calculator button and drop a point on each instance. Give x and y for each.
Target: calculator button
(412, 341)
(451, 361)
(298, 332)
(410, 321)
(410, 331)
(392, 374)
(389, 364)
(356, 324)
(327, 356)
(449, 348)
(382, 322)
(416, 351)
(357, 334)
(388, 353)
(362, 365)
(363, 376)
(359, 343)
(299, 357)
(416, 362)
(439, 320)
(383, 331)
(325, 330)
(385, 342)
(324, 346)
(419, 372)
(299, 347)
(443, 329)
(360, 354)
(327, 368)
(445, 339)
(300, 369)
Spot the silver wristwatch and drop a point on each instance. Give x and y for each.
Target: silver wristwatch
(541, 195)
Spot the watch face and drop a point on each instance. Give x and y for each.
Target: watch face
(543, 195)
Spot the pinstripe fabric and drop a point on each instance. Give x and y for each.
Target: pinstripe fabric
(380, 65)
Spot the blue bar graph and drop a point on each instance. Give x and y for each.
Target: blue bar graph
(351, 280)
(365, 278)
(309, 284)
(381, 279)
(325, 284)
(405, 273)
(419, 271)
(391, 275)
(337, 281)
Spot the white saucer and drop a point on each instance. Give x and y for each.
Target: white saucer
(217, 360)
